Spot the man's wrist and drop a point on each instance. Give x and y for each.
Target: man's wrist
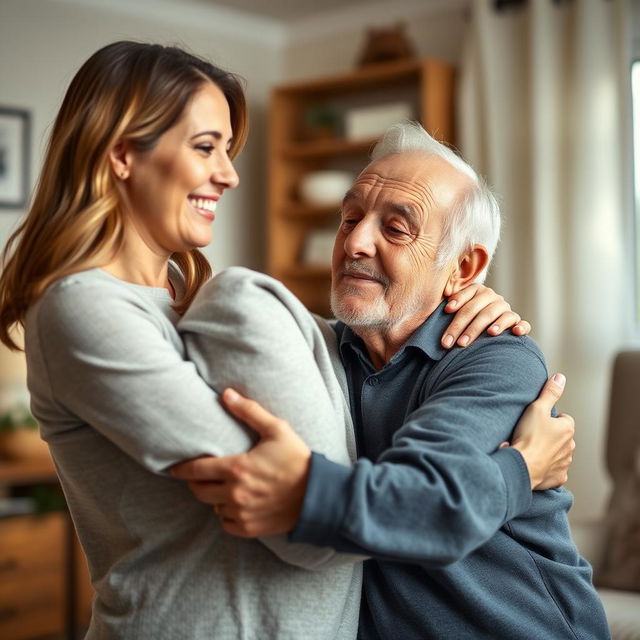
(516, 481)
(324, 502)
(299, 488)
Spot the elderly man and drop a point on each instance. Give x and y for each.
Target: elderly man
(449, 559)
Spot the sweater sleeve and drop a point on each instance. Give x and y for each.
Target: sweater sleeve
(108, 362)
(441, 489)
(247, 331)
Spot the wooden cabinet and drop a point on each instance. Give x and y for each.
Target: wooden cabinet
(426, 86)
(44, 584)
(31, 576)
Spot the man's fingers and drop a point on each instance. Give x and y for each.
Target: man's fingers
(251, 413)
(208, 467)
(209, 492)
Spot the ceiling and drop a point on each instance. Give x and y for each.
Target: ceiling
(288, 9)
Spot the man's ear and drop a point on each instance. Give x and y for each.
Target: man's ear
(120, 158)
(466, 269)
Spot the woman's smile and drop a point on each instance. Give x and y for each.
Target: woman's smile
(204, 205)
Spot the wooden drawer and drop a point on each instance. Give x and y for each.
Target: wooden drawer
(31, 543)
(31, 576)
(32, 606)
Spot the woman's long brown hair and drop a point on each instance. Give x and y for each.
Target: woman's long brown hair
(125, 91)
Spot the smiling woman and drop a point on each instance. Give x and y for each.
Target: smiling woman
(117, 110)
(169, 193)
(101, 274)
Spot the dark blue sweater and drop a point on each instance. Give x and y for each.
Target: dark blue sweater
(460, 547)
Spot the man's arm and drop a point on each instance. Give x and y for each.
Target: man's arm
(264, 490)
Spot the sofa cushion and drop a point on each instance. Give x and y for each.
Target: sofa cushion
(623, 613)
(620, 567)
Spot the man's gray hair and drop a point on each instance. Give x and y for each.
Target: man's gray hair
(475, 216)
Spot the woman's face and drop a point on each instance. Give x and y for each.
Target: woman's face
(173, 190)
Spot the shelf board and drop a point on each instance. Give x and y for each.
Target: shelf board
(27, 472)
(305, 211)
(303, 271)
(374, 76)
(327, 147)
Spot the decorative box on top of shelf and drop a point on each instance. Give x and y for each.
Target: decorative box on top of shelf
(296, 149)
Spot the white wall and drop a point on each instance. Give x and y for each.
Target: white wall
(332, 44)
(42, 44)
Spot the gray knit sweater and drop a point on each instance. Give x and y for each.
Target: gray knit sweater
(121, 396)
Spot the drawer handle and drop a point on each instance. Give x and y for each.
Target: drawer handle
(8, 565)
(7, 614)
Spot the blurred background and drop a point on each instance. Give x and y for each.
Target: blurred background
(537, 95)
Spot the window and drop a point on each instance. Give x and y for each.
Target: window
(635, 97)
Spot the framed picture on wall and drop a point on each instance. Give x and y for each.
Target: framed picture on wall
(14, 157)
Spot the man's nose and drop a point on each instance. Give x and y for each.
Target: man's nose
(361, 240)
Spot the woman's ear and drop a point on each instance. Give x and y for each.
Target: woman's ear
(120, 159)
(466, 269)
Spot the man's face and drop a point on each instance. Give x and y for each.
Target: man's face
(384, 275)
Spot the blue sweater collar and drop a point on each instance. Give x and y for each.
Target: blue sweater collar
(425, 338)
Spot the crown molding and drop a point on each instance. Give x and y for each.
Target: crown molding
(215, 19)
(383, 12)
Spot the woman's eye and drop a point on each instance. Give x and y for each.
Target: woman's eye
(205, 148)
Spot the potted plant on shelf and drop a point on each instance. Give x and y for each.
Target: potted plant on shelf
(322, 122)
(19, 434)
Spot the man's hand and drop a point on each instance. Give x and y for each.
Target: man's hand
(259, 492)
(479, 308)
(546, 443)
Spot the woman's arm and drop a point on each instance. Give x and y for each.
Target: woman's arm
(111, 365)
(100, 354)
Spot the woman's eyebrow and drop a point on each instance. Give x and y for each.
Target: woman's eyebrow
(215, 134)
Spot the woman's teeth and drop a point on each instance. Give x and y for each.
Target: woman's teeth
(203, 203)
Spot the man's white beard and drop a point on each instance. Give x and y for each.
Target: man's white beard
(374, 316)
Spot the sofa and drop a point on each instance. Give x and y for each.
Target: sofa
(612, 544)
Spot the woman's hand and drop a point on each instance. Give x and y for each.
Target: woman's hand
(546, 443)
(479, 308)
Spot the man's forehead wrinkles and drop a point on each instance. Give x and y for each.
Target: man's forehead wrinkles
(420, 191)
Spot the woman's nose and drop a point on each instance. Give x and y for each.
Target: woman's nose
(225, 174)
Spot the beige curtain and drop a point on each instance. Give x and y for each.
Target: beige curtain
(541, 117)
